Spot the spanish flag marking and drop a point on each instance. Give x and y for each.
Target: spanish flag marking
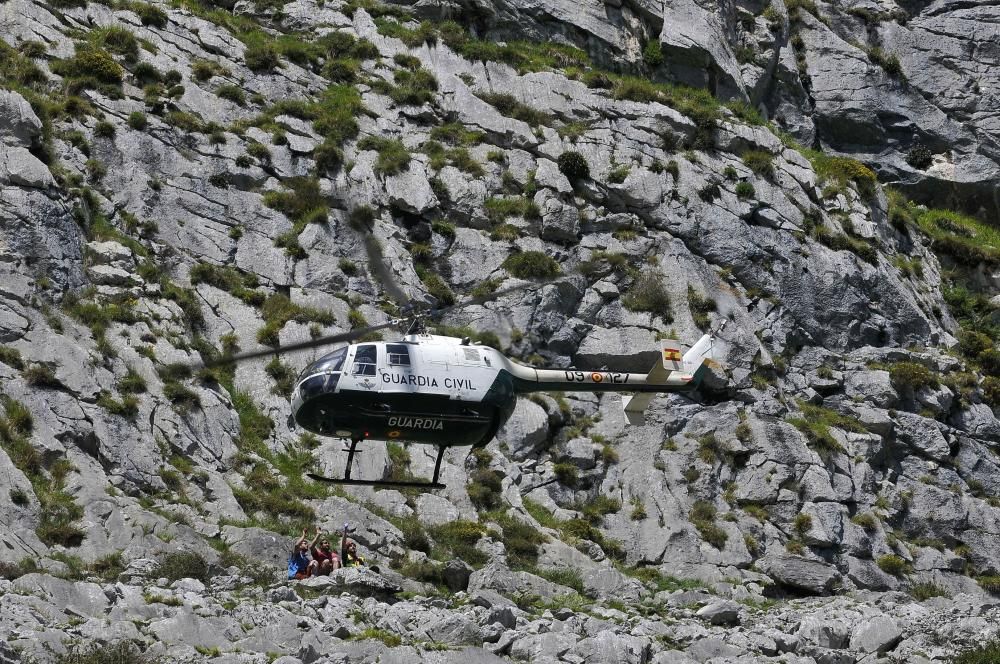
(671, 355)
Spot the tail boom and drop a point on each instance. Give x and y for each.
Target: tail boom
(528, 379)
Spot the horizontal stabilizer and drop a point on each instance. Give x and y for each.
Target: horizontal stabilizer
(635, 407)
(636, 404)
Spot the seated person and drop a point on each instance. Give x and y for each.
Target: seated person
(325, 558)
(299, 565)
(349, 553)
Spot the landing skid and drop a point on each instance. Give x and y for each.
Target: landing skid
(407, 484)
(382, 483)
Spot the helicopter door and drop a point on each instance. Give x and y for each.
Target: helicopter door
(363, 367)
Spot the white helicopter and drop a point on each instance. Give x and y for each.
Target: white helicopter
(448, 392)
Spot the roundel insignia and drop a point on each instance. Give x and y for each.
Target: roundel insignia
(394, 434)
(596, 377)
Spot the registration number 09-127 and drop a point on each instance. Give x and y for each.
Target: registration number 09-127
(595, 377)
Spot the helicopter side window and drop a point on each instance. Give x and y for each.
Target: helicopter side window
(365, 358)
(399, 355)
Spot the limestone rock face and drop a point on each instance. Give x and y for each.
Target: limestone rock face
(178, 185)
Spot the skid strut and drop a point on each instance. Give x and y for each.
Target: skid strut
(411, 484)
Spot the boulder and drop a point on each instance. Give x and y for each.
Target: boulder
(878, 635)
(456, 575)
(725, 612)
(625, 349)
(21, 168)
(825, 633)
(609, 646)
(19, 126)
(799, 573)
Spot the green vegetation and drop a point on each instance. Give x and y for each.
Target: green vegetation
(120, 652)
(794, 6)
(842, 241)
(277, 310)
(332, 114)
(868, 521)
(922, 591)
(498, 209)
(990, 584)
(11, 357)
(648, 293)
(388, 638)
(509, 105)
(521, 540)
(652, 53)
(233, 93)
(523, 56)
(283, 376)
(116, 39)
(744, 111)
(457, 539)
(127, 407)
(702, 516)
(413, 88)
(234, 281)
(801, 524)
(988, 653)
(919, 156)
(965, 239)
(701, 306)
(261, 58)
(531, 265)
(816, 423)
(696, 103)
(889, 62)
(485, 484)
(745, 190)
(304, 204)
(638, 512)
(841, 171)
(91, 67)
(893, 564)
(137, 120)
(573, 165)
(59, 512)
(760, 162)
(619, 173)
(566, 473)
(911, 376)
(393, 157)
(149, 15)
(183, 565)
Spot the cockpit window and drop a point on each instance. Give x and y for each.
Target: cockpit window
(364, 360)
(330, 362)
(399, 355)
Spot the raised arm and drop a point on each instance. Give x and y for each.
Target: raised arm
(298, 542)
(343, 545)
(312, 545)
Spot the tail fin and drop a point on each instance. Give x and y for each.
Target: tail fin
(699, 358)
(695, 362)
(671, 351)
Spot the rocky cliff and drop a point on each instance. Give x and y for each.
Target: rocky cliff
(182, 181)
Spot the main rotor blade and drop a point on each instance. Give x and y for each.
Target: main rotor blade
(482, 299)
(301, 345)
(382, 273)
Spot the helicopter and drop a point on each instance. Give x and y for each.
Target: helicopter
(448, 391)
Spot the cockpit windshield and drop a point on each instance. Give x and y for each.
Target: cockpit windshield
(330, 362)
